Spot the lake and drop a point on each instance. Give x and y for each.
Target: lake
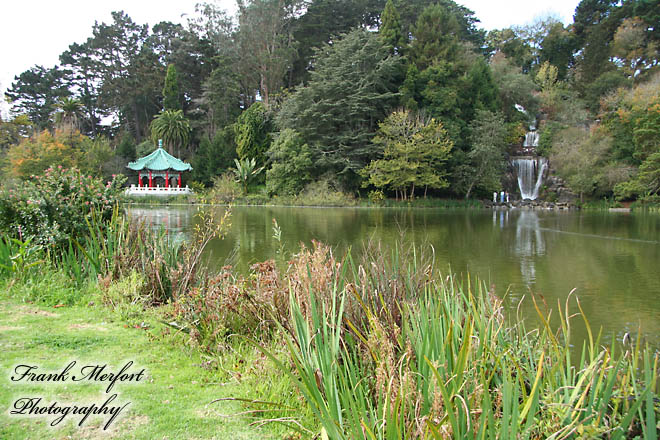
(610, 259)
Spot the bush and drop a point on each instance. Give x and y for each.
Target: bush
(127, 296)
(376, 197)
(324, 193)
(52, 208)
(35, 154)
(225, 189)
(226, 303)
(291, 164)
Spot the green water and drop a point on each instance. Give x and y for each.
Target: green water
(610, 259)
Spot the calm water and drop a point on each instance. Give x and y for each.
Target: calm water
(611, 259)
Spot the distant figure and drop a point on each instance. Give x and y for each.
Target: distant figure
(507, 197)
(501, 196)
(495, 197)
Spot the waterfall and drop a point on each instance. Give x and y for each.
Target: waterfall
(530, 175)
(531, 139)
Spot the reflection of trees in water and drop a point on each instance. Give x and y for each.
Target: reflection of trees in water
(529, 244)
(551, 253)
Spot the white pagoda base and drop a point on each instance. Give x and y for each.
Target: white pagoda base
(157, 191)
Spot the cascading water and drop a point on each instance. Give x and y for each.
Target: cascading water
(531, 140)
(530, 175)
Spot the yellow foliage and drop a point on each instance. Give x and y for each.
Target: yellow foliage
(34, 155)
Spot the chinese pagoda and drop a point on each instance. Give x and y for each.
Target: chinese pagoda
(154, 167)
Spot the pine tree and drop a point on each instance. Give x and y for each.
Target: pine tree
(390, 29)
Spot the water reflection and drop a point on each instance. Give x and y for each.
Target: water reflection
(611, 260)
(501, 218)
(528, 245)
(176, 221)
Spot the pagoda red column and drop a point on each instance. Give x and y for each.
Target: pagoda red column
(151, 182)
(167, 178)
(179, 180)
(139, 180)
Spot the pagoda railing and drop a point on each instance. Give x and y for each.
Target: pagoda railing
(156, 191)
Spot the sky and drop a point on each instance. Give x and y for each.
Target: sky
(36, 32)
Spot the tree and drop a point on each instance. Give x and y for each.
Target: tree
(171, 94)
(511, 45)
(436, 37)
(14, 131)
(220, 99)
(594, 24)
(98, 158)
(69, 115)
(214, 156)
(646, 185)
(514, 88)
(35, 93)
(253, 136)
(580, 159)
(173, 128)
(192, 56)
(131, 74)
(631, 45)
(265, 33)
(323, 22)
(391, 31)
(126, 147)
(557, 48)
(291, 164)
(352, 87)
(410, 11)
(485, 163)
(83, 76)
(414, 151)
(43, 150)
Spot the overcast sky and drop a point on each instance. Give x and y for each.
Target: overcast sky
(37, 31)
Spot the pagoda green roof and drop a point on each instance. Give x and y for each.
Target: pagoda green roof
(159, 160)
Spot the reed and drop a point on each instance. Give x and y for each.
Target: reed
(451, 366)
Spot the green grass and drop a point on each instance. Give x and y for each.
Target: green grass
(174, 402)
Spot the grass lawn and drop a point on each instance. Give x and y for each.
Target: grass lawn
(172, 402)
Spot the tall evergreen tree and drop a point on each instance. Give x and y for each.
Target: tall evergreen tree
(171, 94)
(352, 87)
(253, 133)
(391, 31)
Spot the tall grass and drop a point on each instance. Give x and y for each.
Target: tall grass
(19, 258)
(115, 249)
(438, 360)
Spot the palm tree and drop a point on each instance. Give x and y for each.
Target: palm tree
(173, 128)
(69, 114)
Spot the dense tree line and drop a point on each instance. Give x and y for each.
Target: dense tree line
(370, 95)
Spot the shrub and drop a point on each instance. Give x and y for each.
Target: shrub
(126, 296)
(225, 189)
(324, 193)
(226, 304)
(35, 154)
(290, 164)
(56, 206)
(376, 197)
